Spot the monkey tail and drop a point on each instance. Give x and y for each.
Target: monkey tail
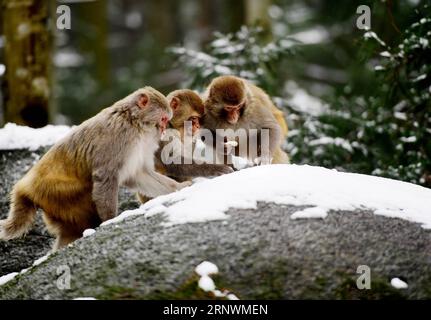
(21, 216)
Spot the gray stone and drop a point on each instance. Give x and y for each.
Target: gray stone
(261, 254)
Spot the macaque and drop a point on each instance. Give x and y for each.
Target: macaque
(76, 182)
(188, 109)
(234, 103)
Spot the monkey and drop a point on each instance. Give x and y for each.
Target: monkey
(76, 182)
(234, 103)
(187, 106)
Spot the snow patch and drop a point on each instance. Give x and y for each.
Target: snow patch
(88, 232)
(206, 284)
(290, 185)
(13, 136)
(206, 268)
(8, 277)
(41, 260)
(397, 283)
(314, 212)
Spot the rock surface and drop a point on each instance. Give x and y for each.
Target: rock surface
(261, 254)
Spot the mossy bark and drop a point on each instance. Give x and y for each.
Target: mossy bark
(28, 61)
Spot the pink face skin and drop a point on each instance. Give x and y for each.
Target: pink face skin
(233, 112)
(195, 124)
(192, 125)
(163, 123)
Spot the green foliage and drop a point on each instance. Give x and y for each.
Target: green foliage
(386, 134)
(245, 53)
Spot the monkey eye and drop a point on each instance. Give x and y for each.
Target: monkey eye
(194, 118)
(230, 108)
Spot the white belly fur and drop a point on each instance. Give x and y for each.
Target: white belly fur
(140, 156)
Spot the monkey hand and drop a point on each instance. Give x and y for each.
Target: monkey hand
(263, 160)
(229, 146)
(217, 170)
(223, 169)
(184, 184)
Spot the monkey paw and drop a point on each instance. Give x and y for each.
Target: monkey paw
(184, 184)
(264, 160)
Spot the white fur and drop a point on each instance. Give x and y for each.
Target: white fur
(140, 156)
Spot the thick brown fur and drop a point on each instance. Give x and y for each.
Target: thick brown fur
(257, 111)
(76, 182)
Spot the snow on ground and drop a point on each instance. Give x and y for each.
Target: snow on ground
(313, 212)
(41, 259)
(13, 136)
(8, 277)
(204, 270)
(324, 189)
(206, 284)
(88, 232)
(399, 284)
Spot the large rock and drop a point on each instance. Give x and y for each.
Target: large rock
(261, 253)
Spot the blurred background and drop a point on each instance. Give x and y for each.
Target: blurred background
(355, 100)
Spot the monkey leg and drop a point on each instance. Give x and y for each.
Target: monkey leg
(65, 237)
(142, 198)
(65, 233)
(280, 157)
(68, 228)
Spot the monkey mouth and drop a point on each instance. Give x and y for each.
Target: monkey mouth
(161, 127)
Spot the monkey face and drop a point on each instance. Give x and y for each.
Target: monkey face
(188, 109)
(195, 120)
(233, 113)
(151, 108)
(226, 99)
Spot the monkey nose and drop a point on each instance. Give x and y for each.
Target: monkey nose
(165, 120)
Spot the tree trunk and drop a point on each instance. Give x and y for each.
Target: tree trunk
(28, 62)
(257, 12)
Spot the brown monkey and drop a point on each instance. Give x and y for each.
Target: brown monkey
(234, 103)
(187, 106)
(76, 182)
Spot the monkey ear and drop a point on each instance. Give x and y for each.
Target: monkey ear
(143, 100)
(175, 103)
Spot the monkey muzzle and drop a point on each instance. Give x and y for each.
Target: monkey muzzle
(233, 113)
(163, 124)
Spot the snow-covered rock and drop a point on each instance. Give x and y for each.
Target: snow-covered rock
(14, 137)
(321, 189)
(270, 232)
